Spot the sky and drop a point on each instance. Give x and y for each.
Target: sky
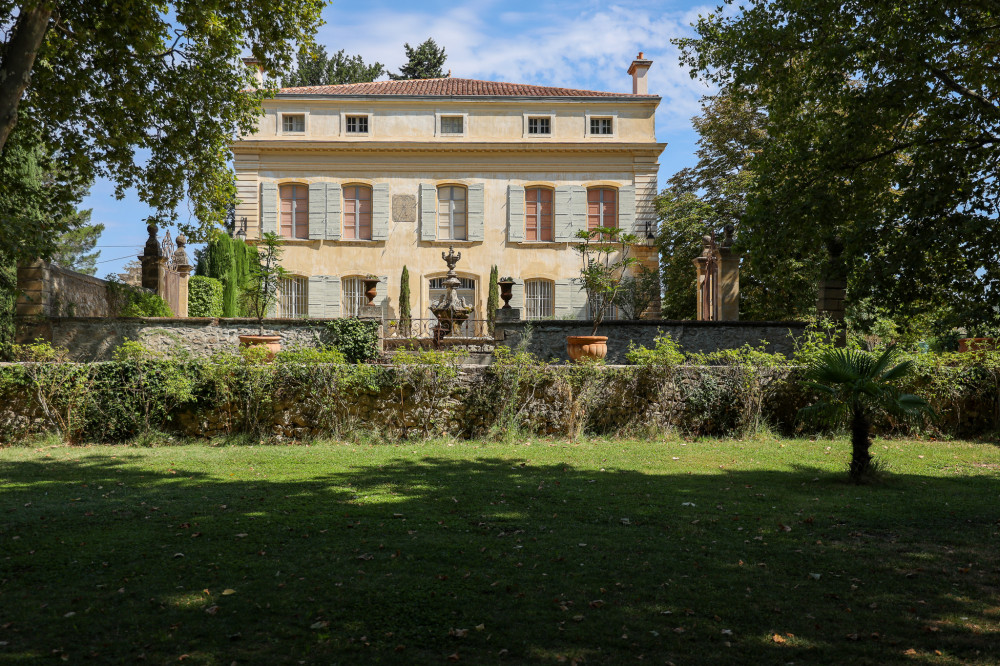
(570, 44)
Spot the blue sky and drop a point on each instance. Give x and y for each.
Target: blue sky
(578, 44)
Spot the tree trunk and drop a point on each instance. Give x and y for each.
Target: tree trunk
(860, 442)
(18, 60)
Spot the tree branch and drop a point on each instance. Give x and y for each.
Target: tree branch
(18, 61)
(957, 87)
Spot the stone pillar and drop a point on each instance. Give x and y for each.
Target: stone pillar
(832, 291)
(34, 289)
(700, 266)
(154, 264)
(729, 285)
(183, 267)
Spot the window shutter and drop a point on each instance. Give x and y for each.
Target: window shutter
(515, 214)
(579, 209)
(332, 296)
(380, 212)
(317, 211)
(333, 221)
(268, 208)
(317, 296)
(626, 209)
(562, 299)
(382, 294)
(578, 299)
(477, 212)
(428, 208)
(517, 296)
(563, 217)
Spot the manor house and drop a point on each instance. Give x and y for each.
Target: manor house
(362, 179)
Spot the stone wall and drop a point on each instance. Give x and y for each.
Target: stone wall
(547, 338)
(48, 290)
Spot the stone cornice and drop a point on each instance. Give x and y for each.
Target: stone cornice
(298, 145)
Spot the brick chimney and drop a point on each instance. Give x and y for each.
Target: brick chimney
(254, 63)
(638, 70)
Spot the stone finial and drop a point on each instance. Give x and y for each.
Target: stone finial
(727, 239)
(180, 254)
(152, 248)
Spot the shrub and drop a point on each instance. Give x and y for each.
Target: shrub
(204, 297)
(127, 301)
(356, 338)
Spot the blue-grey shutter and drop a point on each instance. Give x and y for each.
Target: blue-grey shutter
(268, 208)
(626, 209)
(332, 296)
(333, 222)
(579, 209)
(317, 211)
(477, 213)
(428, 207)
(515, 214)
(317, 296)
(562, 299)
(380, 212)
(517, 296)
(563, 213)
(382, 294)
(578, 299)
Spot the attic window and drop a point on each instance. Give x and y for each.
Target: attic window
(293, 122)
(540, 125)
(451, 124)
(357, 124)
(601, 126)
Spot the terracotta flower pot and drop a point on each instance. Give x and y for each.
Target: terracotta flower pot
(271, 342)
(976, 344)
(371, 290)
(586, 346)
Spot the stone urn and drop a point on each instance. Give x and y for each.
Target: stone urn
(271, 342)
(586, 346)
(506, 292)
(371, 289)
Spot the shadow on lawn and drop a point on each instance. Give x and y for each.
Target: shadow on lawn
(402, 562)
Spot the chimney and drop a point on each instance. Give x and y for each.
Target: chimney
(254, 63)
(638, 70)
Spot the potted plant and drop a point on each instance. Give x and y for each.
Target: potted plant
(371, 287)
(506, 285)
(261, 293)
(605, 254)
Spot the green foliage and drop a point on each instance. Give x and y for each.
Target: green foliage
(73, 247)
(666, 353)
(424, 62)
(128, 301)
(315, 68)
(241, 388)
(8, 301)
(356, 339)
(492, 298)
(228, 260)
(204, 297)
(604, 251)
(426, 378)
(881, 138)
(404, 303)
(638, 291)
(162, 81)
(61, 389)
(261, 293)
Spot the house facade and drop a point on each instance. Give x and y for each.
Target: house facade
(362, 179)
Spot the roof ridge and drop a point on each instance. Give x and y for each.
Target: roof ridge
(452, 86)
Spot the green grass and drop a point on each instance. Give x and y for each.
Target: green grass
(599, 551)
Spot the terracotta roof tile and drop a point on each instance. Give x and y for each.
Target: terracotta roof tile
(450, 87)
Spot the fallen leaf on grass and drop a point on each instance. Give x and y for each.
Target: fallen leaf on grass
(778, 639)
(226, 592)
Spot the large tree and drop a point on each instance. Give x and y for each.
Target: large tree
(423, 62)
(883, 136)
(74, 248)
(149, 94)
(315, 68)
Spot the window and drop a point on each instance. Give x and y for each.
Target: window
(601, 126)
(294, 211)
(538, 214)
(538, 299)
(357, 124)
(451, 124)
(465, 283)
(451, 213)
(293, 122)
(466, 290)
(602, 208)
(292, 297)
(353, 296)
(541, 125)
(357, 213)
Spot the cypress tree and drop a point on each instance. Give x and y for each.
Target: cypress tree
(492, 299)
(404, 303)
(228, 260)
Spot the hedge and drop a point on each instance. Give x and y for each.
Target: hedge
(204, 297)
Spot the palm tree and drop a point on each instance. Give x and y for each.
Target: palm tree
(859, 384)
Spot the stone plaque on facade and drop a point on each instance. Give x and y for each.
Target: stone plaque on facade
(404, 208)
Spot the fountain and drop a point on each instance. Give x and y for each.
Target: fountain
(451, 310)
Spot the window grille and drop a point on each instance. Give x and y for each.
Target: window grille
(292, 297)
(354, 296)
(451, 124)
(538, 299)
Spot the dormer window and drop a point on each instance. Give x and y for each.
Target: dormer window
(357, 124)
(293, 123)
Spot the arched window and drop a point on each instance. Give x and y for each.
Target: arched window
(602, 207)
(452, 213)
(538, 299)
(538, 214)
(353, 289)
(357, 212)
(292, 301)
(294, 211)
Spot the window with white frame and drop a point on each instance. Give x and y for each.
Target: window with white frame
(451, 124)
(293, 122)
(353, 290)
(538, 301)
(539, 125)
(292, 297)
(603, 126)
(452, 213)
(357, 124)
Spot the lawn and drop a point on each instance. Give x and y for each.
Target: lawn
(545, 551)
